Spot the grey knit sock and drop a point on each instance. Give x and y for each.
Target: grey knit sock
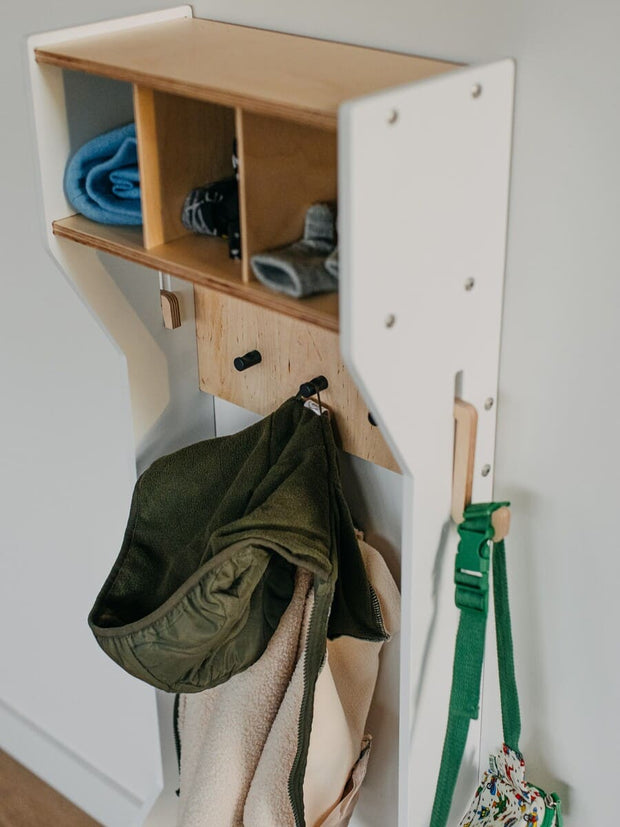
(298, 269)
(331, 263)
(320, 226)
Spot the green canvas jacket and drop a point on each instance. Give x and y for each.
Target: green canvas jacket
(215, 534)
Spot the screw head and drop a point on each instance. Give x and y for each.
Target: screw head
(390, 320)
(469, 284)
(393, 116)
(476, 90)
(488, 403)
(486, 470)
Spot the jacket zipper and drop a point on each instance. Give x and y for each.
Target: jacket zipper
(295, 794)
(376, 607)
(315, 642)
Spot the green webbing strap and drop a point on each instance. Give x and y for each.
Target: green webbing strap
(463, 707)
(472, 588)
(511, 716)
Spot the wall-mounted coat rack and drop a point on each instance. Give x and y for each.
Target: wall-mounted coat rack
(423, 279)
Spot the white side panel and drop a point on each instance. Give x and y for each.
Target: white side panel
(106, 756)
(49, 105)
(423, 202)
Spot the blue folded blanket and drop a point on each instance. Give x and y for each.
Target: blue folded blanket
(102, 179)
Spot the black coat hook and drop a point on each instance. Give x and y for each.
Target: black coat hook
(247, 360)
(319, 383)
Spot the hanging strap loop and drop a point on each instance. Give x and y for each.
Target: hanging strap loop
(471, 596)
(511, 715)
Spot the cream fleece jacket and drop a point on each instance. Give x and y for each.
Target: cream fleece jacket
(239, 740)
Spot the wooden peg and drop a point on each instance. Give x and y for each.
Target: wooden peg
(501, 523)
(248, 360)
(170, 309)
(465, 427)
(314, 386)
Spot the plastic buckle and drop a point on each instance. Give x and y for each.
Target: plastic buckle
(471, 574)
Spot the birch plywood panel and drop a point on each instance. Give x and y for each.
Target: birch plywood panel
(286, 168)
(292, 352)
(182, 144)
(278, 74)
(26, 800)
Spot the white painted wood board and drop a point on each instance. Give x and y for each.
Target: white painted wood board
(423, 194)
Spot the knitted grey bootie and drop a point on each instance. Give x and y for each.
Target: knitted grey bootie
(331, 263)
(299, 269)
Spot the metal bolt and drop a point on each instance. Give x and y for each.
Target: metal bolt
(476, 90)
(488, 403)
(393, 116)
(390, 320)
(469, 284)
(486, 470)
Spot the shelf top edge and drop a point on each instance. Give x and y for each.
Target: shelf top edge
(278, 74)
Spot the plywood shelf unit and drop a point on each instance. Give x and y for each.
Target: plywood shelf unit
(199, 86)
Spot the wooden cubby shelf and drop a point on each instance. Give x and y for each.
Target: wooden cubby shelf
(198, 84)
(198, 88)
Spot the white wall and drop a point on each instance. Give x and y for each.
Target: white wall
(557, 446)
(85, 401)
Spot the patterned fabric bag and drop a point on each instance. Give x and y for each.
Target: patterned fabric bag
(504, 798)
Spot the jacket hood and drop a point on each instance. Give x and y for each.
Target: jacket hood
(215, 534)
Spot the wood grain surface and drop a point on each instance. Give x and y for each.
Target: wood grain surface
(26, 801)
(292, 353)
(300, 78)
(286, 167)
(182, 144)
(199, 259)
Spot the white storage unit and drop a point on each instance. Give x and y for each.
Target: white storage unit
(418, 154)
